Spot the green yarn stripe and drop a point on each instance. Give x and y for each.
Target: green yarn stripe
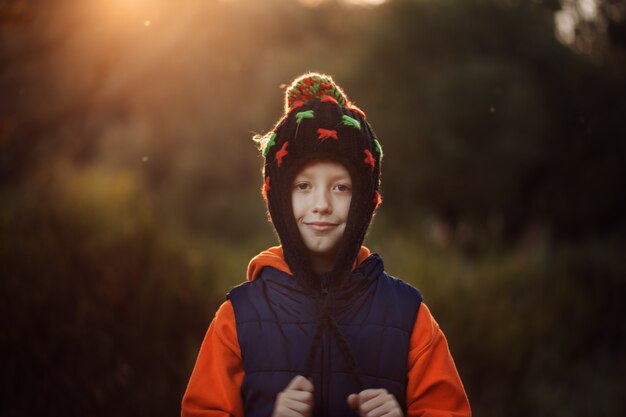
(379, 148)
(349, 121)
(309, 114)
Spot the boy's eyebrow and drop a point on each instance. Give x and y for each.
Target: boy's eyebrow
(343, 177)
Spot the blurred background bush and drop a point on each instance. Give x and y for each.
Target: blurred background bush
(130, 203)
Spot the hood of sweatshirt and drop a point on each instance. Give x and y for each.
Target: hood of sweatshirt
(275, 258)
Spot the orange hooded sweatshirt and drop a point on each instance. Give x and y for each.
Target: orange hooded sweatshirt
(434, 388)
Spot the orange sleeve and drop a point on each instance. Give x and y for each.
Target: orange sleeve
(434, 388)
(214, 388)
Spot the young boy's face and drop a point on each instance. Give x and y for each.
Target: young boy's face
(320, 197)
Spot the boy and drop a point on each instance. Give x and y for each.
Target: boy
(320, 329)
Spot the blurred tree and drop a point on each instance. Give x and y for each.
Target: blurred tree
(500, 125)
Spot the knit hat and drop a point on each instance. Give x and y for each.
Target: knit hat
(320, 123)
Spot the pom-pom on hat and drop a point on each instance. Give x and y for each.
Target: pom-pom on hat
(320, 123)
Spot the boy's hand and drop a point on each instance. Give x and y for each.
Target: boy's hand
(296, 400)
(375, 403)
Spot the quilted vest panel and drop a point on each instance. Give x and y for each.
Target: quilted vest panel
(276, 320)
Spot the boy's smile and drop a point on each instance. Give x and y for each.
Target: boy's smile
(320, 197)
(321, 226)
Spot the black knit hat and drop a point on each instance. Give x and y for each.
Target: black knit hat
(320, 124)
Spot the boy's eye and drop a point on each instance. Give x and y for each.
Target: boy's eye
(342, 187)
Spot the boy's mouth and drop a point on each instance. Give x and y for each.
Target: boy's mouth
(321, 226)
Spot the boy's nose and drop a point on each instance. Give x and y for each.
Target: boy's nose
(321, 202)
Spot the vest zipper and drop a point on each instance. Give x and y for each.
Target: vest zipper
(325, 355)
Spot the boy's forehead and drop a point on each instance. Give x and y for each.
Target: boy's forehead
(323, 167)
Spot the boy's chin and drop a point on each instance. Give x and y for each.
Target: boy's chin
(325, 251)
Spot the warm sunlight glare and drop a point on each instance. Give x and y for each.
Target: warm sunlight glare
(313, 3)
(126, 10)
(366, 2)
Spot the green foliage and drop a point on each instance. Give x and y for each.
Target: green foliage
(99, 312)
(535, 331)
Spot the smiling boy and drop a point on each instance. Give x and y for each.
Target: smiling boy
(319, 329)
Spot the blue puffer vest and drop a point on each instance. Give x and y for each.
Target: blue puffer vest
(276, 321)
